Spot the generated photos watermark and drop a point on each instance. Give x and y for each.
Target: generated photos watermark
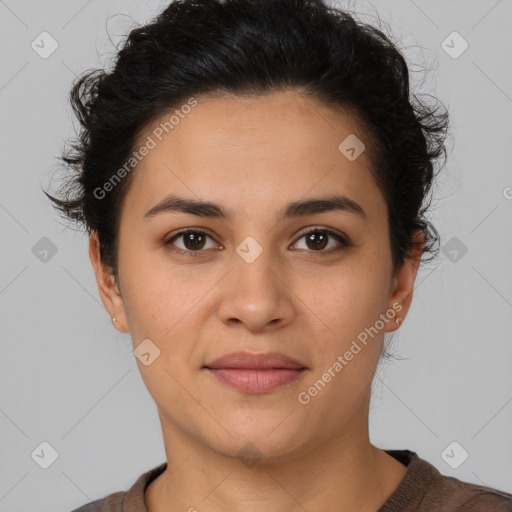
(150, 143)
(304, 397)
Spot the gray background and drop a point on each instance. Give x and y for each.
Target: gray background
(70, 379)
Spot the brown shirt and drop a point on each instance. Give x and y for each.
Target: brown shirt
(423, 489)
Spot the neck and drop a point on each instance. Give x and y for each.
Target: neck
(346, 470)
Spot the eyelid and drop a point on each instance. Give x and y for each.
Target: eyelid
(325, 229)
(168, 241)
(342, 239)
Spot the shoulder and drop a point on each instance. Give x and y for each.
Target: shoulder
(425, 489)
(122, 501)
(111, 503)
(460, 495)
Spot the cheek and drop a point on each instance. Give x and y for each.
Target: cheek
(344, 308)
(154, 295)
(349, 296)
(143, 305)
(164, 304)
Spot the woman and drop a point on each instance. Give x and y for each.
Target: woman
(254, 177)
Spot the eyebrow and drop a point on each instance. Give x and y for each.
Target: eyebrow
(176, 204)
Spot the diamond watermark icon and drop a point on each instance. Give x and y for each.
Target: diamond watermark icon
(249, 454)
(352, 147)
(454, 455)
(454, 249)
(454, 45)
(146, 352)
(44, 249)
(44, 455)
(249, 249)
(44, 45)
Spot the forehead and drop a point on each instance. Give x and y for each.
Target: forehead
(252, 152)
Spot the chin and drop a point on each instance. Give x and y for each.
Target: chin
(258, 438)
(258, 451)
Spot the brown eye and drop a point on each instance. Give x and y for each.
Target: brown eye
(194, 241)
(316, 240)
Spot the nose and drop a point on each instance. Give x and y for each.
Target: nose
(256, 295)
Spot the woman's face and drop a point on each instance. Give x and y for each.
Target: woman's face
(254, 281)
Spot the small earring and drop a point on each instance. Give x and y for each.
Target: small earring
(113, 319)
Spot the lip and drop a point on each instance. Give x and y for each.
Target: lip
(255, 373)
(262, 361)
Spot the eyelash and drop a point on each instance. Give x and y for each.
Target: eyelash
(344, 242)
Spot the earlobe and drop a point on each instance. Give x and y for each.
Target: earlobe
(109, 292)
(117, 325)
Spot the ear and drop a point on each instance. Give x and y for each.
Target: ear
(403, 282)
(107, 286)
